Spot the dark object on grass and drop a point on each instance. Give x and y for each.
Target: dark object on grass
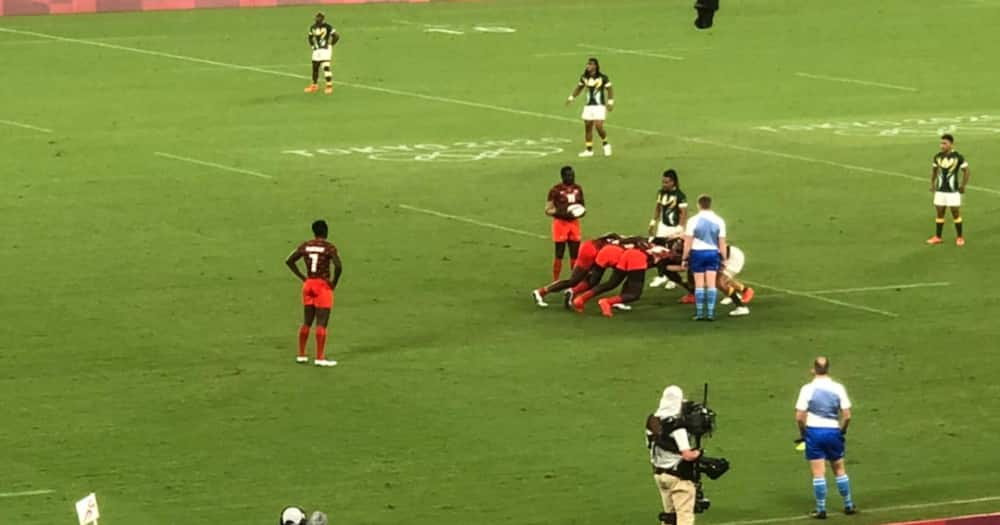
(706, 12)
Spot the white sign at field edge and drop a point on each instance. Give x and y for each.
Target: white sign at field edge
(86, 510)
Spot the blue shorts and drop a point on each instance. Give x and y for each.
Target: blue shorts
(824, 443)
(705, 261)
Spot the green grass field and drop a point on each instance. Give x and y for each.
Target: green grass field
(148, 322)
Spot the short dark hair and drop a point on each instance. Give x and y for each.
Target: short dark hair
(672, 175)
(320, 229)
(566, 170)
(948, 137)
(705, 201)
(821, 366)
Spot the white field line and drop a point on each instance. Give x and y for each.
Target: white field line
(824, 299)
(879, 288)
(866, 510)
(638, 52)
(468, 220)
(855, 81)
(22, 125)
(26, 493)
(480, 105)
(443, 30)
(212, 165)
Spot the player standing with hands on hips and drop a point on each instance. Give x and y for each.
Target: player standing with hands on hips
(947, 189)
(600, 100)
(322, 38)
(823, 412)
(317, 289)
(705, 254)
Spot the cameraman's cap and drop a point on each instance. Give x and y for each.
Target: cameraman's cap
(670, 402)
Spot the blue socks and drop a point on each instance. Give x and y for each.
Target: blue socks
(699, 302)
(844, 486)
(713, 295)
(819, 488)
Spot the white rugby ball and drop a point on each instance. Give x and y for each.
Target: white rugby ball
(576, 210)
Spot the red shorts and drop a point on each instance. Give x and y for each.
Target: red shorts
(587, 255)
(563, 231)
(632, 260)
(609, 255)
(317, 292)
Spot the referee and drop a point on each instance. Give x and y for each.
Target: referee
(823, 412)
(705, 253)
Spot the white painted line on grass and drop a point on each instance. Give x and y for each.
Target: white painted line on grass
(880, 288)
(638, 52)
(212, 165)
(443, 30)
(824, 299)
(813, 160)
(26, 493)
(470, 220)
(17, 124)
(855, 81)
(870, 510)
(480, 105)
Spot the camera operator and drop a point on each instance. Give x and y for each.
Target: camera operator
(674, 461)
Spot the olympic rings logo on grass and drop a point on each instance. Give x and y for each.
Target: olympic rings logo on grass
(515, 149)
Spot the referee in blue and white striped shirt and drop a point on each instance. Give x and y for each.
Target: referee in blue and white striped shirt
(705, 253)
(823, 412)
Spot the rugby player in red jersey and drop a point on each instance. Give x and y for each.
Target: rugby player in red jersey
(565, 227)
(631, 269)
(317, 289)
(581, 268)
(619, 259)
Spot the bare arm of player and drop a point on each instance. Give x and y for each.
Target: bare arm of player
(611, 98)
(682, 214)
(292, 263)
(550, 208)
(334, 38)
(723, 251)
(688, 241)
(656, 218)
(800, 420)
(338, 268)
(845, 420)
(576, 93)
(934, 172)
(965, 179)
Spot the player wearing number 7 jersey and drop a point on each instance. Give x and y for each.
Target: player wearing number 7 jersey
(317, 288)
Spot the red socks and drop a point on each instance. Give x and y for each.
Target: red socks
(320, 343)
(303, 338)
(584, 297)
(572, 263)
(615, 300)
(582, 287)
(556, 269)
(543, 291)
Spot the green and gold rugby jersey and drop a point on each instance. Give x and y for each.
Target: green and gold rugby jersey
(671, 203)
(597, 87)
(320, 35)
(948, 165)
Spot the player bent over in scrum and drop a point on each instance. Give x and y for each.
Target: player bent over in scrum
(607, 257)
(581, 268)
(629, 269)
(733, 290)
(317, 289)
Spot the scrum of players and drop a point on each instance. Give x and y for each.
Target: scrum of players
(612, 267)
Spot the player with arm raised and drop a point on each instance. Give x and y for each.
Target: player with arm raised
(317, 288)
(600, 100)
(322, 38)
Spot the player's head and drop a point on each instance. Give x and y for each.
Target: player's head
(320, 17)
(568, 175)
(705, 201)
(593, 66)
(821, 366)
(670, 181)
(947, 142)
(320, 229)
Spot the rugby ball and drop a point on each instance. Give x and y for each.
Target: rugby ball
(576, 210)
